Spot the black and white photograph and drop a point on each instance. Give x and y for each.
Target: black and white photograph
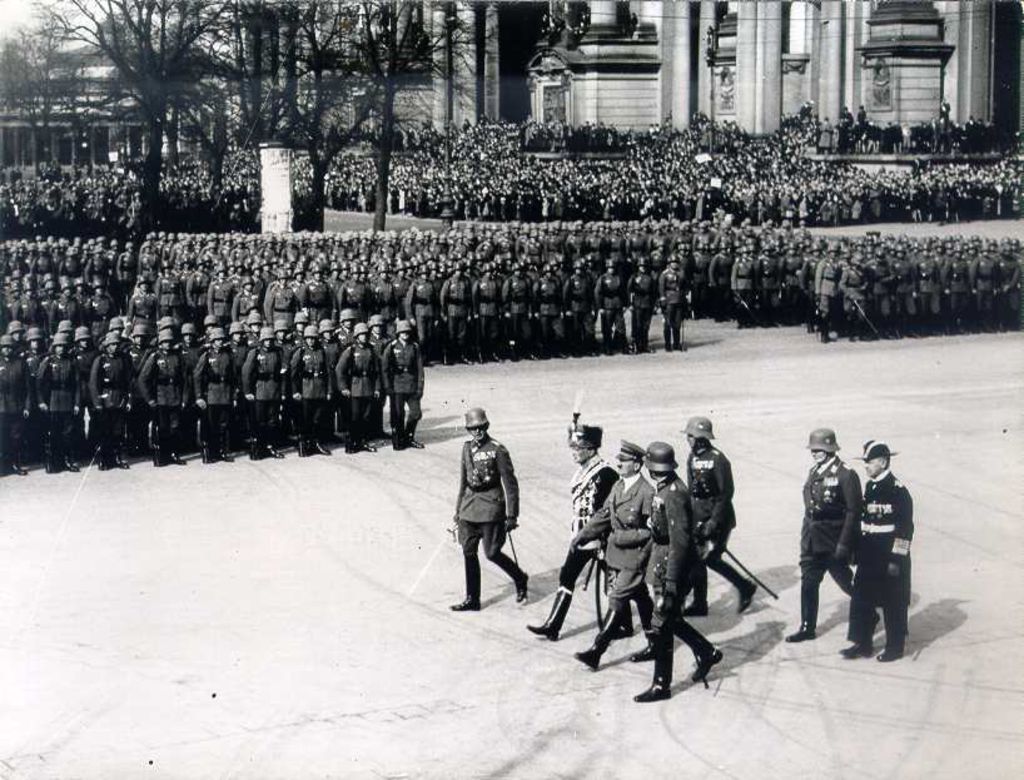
(511, 389)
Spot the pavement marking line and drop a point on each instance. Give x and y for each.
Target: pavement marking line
(54, 547)
(423, 571)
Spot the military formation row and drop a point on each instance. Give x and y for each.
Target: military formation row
(480, 292)
(64, 398)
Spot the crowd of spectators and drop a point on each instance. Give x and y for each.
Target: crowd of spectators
(655, 173)
(107, 200)
(667, 173)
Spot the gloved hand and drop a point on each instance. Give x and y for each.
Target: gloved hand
(893, 569)
(511, 524)
(201, 403)
(707, 550)
(842, 553)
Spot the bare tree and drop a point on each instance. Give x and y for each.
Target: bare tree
(40, 79)
(156, 46)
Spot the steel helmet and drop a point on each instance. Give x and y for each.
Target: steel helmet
(215, 334)
(403, 326)
(477, 418)
(310, 332)
(361, 329)
(660, 458)
(266, 332)
(61, 339)
(699, 428)
(823, 439)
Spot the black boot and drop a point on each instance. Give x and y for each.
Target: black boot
(177, 460)
(17, 468)
(704, 665)
(661, 685)
(649, 653)
(396, 442)
(207, 455)
(119, 460)
(857, 650)
(304, 451)
(746, 596)
(472, 601)
(805, 634)
(320, 449)
(254, 451)
(158, 458)
(556, 617)
(592, 656)
(410, 436)
(272, 451)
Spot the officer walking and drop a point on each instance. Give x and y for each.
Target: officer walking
(883, 559)
(711, 489)
(624, 519)
(674, 550)
(590, 486)
(486, 508)
(832, 510)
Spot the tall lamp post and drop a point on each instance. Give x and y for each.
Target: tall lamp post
(447, 212)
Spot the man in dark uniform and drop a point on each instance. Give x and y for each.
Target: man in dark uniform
(673, 552)
(590, 486)
(110, 387)
(832, 509)
(14, 407)
(311, 388)
(547, 296)
(455, 301)
(624, 519)
(610, 294)
(214, 385)
(402, 375)
(883, 559)
(358, 381)
(515, 298)
(486, 509)
(486, 300)
(165, 388)
(672, 296)
(421, 303)
(264, 377)
(709, 474)
(84, 355)
(59, 398)
(578, 294)
(641, 290)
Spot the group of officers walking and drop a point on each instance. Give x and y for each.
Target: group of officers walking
(253, 386)
(658, 534)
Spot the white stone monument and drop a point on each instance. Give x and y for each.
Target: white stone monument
(276, 187)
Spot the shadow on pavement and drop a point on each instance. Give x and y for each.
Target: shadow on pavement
(438, 429)
(722, 614)
(934, 622)
(746, 648)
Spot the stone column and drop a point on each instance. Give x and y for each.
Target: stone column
(746, 66)
(492, 73)
(812, 46)
(436, 21)
(275, 188)
(681, 53)
(465, 66)
(769, 93)
(650, 12)
(974, 53)
(831, 46)
(706, 19)
(856, 33)
(951, 12)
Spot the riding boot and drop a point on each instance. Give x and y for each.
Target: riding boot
(255, 451)
(661, 685)
(592, 656)
(472, 601)
(556, 617)
(410, 435)
(649, 653)
(70, 464)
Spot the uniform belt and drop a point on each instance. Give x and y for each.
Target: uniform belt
(868, 528)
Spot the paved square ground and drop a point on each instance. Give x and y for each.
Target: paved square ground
(289, 619)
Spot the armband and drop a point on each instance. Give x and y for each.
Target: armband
(901, 547)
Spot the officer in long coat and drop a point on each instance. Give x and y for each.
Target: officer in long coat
(624, 521)
(883, 559)
(832, 510)
(709, 475)
(673, 552)
(486, 509)
(590, 486)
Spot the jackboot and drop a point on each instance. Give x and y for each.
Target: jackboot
(553, 625)
(649, 653)
(805, 634)
(661, 685)
(592, 655)
(254, 451)
(472, 571)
